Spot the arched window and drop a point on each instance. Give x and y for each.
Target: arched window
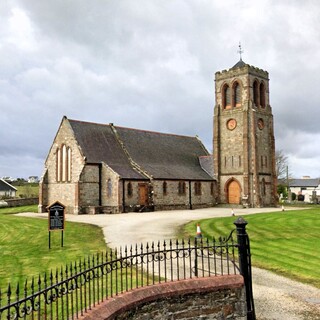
(58, 166)
(129, 189)
(226, 97)
(182, 187)
(262, 95)
(256, 93)
(197, 188)
(263, 187)
(63, 164)
(164, 188)
(212, 188)
(68, 164)
(237, 95)
(109, 188)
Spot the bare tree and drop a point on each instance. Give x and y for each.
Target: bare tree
(281, 165)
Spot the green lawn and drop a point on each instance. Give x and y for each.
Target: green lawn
(287, 242)
(24, 248)
(28, 190)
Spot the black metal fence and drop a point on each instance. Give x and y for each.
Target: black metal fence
(70, 292)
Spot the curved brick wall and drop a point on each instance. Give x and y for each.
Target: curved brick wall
(221, 297)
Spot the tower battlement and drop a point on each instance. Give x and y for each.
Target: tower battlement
(241, 68)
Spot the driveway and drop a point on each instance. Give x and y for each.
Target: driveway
(275, 297)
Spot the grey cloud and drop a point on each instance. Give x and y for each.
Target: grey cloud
(150, 65)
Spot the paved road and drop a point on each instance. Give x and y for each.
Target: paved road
(276, 298)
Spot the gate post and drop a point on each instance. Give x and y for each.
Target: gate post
(245, 264)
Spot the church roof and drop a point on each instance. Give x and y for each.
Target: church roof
(206, 163)
(99, 144)
(160, 155)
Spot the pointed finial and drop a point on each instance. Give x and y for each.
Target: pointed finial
(240, 51)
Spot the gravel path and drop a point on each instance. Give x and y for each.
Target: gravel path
(276, 297)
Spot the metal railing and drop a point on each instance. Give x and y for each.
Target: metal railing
(70, 292)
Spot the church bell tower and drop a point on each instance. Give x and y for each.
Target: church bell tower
(243, 138)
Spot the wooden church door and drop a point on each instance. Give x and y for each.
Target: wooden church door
(143, 194)
(234, 192)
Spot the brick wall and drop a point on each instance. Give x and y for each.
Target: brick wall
(212, 298)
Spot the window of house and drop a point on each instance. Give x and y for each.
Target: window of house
(182, 187)
(164, 188)
(262, 95)
(226, 97)
(256, 93)
(129, 189)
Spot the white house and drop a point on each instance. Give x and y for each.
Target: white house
(307, 187)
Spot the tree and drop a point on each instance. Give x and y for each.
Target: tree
(281, 165)
(282, 173)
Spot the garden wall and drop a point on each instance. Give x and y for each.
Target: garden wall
(22, 202)
(211, 298)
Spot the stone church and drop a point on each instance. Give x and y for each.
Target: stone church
(103, 168)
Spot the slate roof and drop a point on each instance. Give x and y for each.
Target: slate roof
(160, 155)
(165, 156)
(307, 183)
(99, 144)
(5, 186)
(206, 163)
(239, 64)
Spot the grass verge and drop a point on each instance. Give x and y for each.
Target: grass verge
(287, 243)
(24, 249)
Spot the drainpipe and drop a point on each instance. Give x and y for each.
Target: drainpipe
(123, 196)
(190, 196)
(100, 184)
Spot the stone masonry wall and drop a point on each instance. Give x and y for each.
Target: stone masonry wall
(63, 192)
(173, 200)
(211, 298)
(110, 193)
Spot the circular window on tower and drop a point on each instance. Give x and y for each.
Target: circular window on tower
(231, 124)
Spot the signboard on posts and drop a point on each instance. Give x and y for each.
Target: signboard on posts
(56, 219)
(56, 216)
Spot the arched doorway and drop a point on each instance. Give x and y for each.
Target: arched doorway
(234, 192)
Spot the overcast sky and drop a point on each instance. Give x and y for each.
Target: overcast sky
(150, 64)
